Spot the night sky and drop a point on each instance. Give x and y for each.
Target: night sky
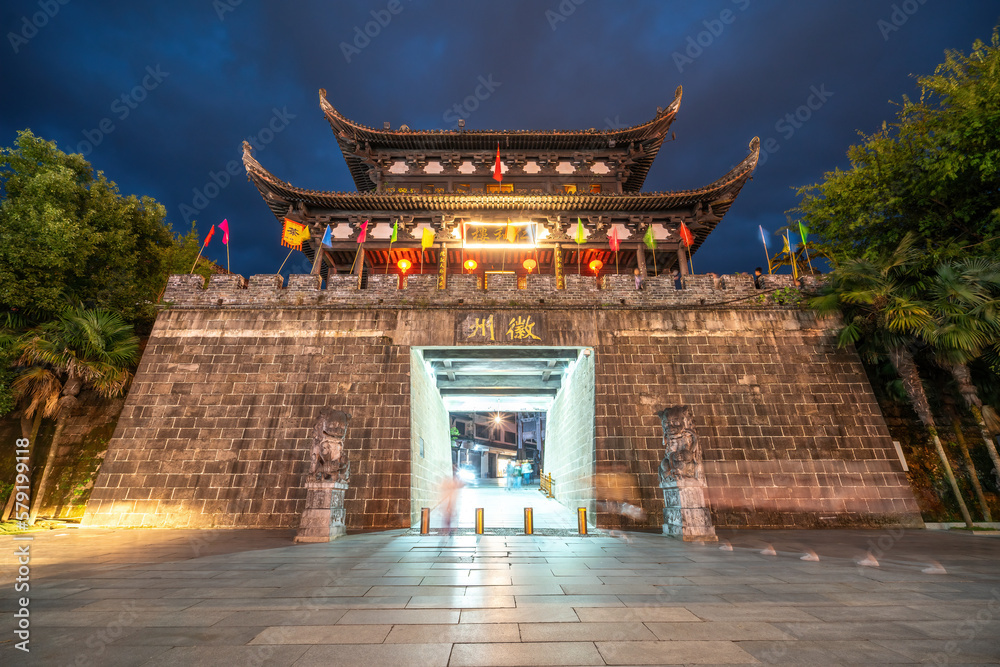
(160, 97)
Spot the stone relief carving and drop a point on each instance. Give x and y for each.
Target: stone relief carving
(683, 456)
(328, 460)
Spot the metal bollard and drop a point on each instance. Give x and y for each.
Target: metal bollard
(581, 519)
(529, 522)
(479, 521)
(425, 520)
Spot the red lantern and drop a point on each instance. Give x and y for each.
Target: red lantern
(404, 265)
(470, 264)
(529, 264)
(596, 265)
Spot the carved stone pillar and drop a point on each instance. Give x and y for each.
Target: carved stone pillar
(324, 517)
(686, 513)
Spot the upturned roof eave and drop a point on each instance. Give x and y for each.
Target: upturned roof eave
(350, 135)
(281, 196)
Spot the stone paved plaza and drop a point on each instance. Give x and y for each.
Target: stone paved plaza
(244, 597)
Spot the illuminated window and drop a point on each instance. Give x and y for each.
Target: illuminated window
(595, 188)
(462, 187)
(427, 188)
(499, 187)
(569, 189)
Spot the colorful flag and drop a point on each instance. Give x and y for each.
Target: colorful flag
(579, 232)
(327, 237)
(293, 234)
(395, 231)
(497, 174)
(364, 232)
(686, 235)
(224, 226)
(762, 237)
(786, 248)
(648, 238)
(803, 232)
(511, 233)
(427, 238)
(209, 237)
(613, 239)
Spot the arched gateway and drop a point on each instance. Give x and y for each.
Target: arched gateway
(516, 250)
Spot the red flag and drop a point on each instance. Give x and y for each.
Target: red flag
(613, 239)
(224, 226)
(364, 232)
(497, 175)
(686, 235)
(209, 237)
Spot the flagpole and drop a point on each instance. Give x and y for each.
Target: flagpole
(354, 263)
(227, 258)
(196, 259)
(654, 260)
(286, 259)
(388, 258)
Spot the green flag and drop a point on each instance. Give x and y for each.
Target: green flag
(648, 238)
(803, 232)
(579, 232)
(395, 231)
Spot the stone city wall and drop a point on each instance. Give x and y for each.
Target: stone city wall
(217, 428)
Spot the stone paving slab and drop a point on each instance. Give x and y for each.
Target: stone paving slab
(163, 597)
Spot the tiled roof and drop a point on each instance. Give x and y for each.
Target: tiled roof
(717, 196)
(649, 136)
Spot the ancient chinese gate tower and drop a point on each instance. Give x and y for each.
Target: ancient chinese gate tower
(474, 286)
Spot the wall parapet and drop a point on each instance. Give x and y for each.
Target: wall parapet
(421, 290)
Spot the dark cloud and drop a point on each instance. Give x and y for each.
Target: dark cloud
(232, 67)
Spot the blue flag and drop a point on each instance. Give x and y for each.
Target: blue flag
(328, 237)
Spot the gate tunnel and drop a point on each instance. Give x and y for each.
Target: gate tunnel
(556, 381)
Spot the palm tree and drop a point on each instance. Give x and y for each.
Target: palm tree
(964, 298)
(81, 347)
(884, 316)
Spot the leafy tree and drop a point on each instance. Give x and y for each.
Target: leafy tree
(934, 172)
(80, 347)
(884, 316)
(66, 232)
(964, 300)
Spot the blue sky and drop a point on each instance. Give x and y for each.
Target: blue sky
(160, 97)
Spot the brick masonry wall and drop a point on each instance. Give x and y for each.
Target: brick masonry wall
(428, 420)
(790, 431)
(569, 439)
(217, 428)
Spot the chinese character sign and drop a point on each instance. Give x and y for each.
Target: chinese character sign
(499, 234)
(501, 328)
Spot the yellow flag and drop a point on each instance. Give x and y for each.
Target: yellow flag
(293, 234)
(427, 238)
